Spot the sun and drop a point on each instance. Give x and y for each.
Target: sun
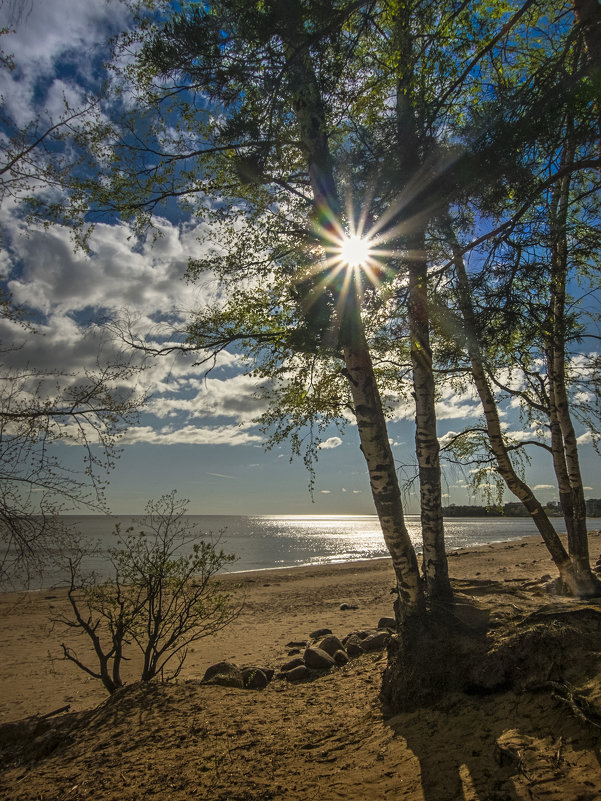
(355, 251)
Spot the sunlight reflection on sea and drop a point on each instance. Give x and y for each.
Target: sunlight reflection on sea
(262, 541)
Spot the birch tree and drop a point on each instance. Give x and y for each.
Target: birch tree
(411, 155)
(525, 274)
(572, 564)
(272, 76)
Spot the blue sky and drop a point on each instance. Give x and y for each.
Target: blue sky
(197, 435)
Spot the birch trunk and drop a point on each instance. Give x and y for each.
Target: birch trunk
(495, 435)
(572, 496)
(427, 447)
(559, 463)
(371, 423)
(375, 447)
(588, 15)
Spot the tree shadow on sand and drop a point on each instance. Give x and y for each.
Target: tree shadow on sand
(504, 748)
(508, 722)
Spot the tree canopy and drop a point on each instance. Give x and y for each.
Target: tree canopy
(461, 140)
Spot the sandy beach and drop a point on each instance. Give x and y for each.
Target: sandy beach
(328, 738)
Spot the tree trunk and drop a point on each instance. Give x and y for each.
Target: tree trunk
(574, 509)
(505, 468)
(371, 423)
(375, 446)
(427, 447)
(588, 15)
(559, 461)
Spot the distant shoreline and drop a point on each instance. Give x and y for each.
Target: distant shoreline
(446, 513)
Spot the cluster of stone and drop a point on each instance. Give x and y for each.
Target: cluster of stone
(250, 677)
(315, 656)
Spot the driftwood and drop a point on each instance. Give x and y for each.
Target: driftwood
(54, 712)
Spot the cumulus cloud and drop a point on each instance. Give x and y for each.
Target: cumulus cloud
(216, 397)
(451, 405)
(457, 410)
(49, 37)
(48, 276)
(447, 437)
(70, 289)
(527, 434)
(331, 442)
(190, 435)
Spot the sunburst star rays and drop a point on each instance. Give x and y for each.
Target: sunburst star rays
(357, 258)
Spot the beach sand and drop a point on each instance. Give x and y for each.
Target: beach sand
(328, 738)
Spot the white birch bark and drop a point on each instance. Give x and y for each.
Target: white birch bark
(371, 423)
(427, 447)
(498, 446)
(572, 495)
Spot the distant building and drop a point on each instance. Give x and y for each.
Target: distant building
(455, 510)
(593, 507)
(515, 509)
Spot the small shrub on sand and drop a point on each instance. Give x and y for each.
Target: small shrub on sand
(159, 599)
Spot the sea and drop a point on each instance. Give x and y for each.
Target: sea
(262, 542)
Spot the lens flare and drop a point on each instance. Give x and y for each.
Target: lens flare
(355, 251)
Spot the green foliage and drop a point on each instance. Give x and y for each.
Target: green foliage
(162, 597)
(486, 90)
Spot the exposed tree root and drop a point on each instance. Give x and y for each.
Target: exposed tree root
(554, 648)
(582, 710)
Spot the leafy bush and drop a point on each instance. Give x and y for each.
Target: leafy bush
(159, 600)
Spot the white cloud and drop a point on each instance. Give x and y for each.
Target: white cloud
(190, 435)
(457, 410)
(527, 435)
(331, 442)
(117, 274)
(51, 35)
(446, 438)
(451, 405)
(228, 397)
(69, 289)
(585, 439)
(326, 492)
(544, 487)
